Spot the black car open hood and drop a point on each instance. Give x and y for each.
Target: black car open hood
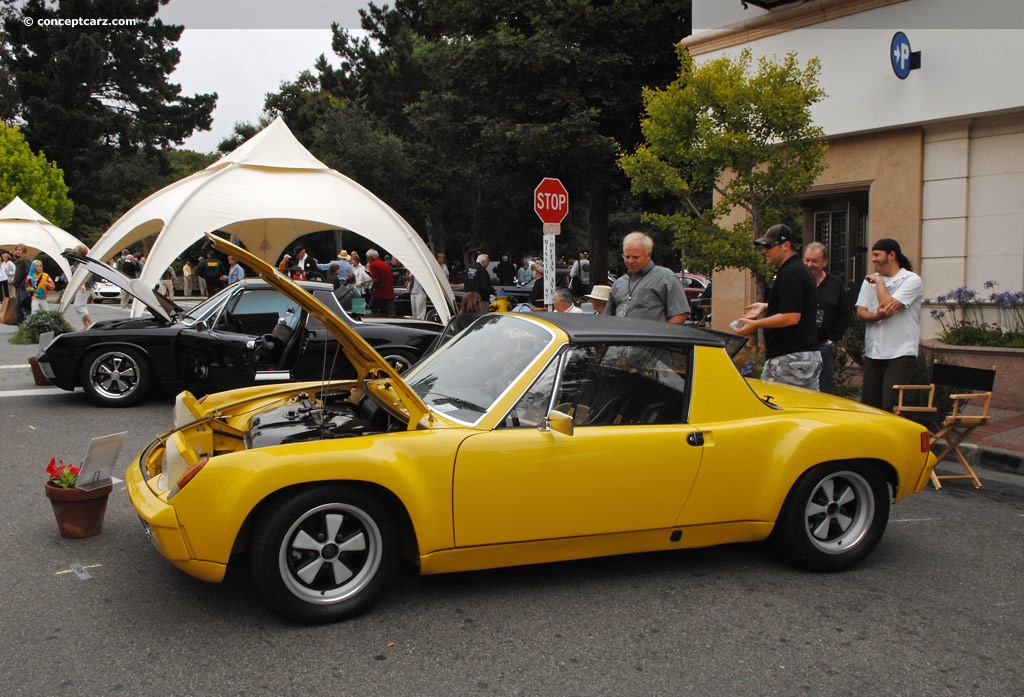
(160, 306)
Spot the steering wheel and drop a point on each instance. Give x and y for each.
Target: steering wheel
(270, 347)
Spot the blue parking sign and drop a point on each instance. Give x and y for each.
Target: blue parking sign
(900, 55)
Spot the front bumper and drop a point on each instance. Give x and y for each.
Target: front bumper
(161, 523)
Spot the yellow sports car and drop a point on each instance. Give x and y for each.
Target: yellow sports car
(526, 438)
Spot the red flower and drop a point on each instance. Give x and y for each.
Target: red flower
(65, 474)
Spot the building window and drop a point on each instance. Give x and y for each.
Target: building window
(841, 224)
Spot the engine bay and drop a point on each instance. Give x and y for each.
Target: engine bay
(325, 416)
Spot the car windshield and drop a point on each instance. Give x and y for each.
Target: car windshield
(466, 377)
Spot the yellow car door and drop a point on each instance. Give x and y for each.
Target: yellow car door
(628, 465)
(523, 484)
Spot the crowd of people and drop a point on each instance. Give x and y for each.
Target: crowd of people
(807, 310)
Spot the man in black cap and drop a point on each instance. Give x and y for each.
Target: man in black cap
(890, 306)
(790, 330)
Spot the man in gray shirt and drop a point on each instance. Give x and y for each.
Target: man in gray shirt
(646, 290)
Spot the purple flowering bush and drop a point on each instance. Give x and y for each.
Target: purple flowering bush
(963, 320)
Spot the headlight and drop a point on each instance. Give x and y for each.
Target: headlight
(185, 410)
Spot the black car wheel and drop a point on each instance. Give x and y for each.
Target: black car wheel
(833, 517)
(400, 360)
(323, 555)
(115, 377)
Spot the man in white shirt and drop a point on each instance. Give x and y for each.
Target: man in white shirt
(562, 301)
(890, 306)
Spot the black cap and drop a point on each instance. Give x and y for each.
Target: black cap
(298, 248)
(775, 235)
(887, 244)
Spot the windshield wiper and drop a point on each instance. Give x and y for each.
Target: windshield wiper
(462, 403)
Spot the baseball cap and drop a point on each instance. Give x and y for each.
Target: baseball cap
(775, 235)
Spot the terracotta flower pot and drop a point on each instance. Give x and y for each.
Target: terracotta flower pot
(79, 512)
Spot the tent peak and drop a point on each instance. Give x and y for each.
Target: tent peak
(19, 210)
(274, 146)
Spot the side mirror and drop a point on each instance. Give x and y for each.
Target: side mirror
(559, 421)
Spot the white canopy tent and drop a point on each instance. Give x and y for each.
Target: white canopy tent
(266, 193)
(21, 224)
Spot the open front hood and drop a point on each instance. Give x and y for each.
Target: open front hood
(366, 361)
(160, 306)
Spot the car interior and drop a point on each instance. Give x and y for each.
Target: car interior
(603, 385)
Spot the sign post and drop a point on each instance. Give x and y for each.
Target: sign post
(551, 203)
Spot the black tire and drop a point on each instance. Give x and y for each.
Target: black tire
(398, 359)
(323, 555)
(116, 376)
(834, 516)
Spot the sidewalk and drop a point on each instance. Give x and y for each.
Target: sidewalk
(998, 445)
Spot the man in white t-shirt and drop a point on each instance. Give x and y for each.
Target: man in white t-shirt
(890, 306)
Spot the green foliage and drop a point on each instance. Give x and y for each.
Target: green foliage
(40, 322)
(39, 183)
(746, 135)
(91, 96)
(464, 106)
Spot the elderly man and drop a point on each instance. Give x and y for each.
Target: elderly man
(562, 301)
(478, 278)
(834, 310)
(646, 290)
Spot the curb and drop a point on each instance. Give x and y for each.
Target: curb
(1011, 461)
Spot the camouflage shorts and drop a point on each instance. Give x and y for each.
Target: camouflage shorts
(801, 369)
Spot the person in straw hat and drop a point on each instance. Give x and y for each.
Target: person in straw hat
(598, 297)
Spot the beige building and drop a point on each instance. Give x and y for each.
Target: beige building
(931, 156)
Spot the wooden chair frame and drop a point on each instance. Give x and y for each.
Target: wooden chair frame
(951, 430)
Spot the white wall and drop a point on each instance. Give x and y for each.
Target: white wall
(971, 54)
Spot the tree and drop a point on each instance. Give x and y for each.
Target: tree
(747, 136)
(489, 96)
(90, 95)
(38, 182)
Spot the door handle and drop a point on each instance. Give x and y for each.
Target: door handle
(695, 438)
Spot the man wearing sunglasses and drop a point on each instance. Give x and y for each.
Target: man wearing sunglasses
(788, 318)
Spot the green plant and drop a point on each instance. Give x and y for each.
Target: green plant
(62, 474)
(39, 323)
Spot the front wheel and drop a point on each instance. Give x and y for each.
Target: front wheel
(116, 377)
(323, 555)
(400, 360)
(833, 517)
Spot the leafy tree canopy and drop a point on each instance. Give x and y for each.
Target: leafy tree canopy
(744, 134)
(473, 102)
(90, 96)
(38, 182)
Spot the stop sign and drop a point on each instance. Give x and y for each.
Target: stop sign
(551, 201)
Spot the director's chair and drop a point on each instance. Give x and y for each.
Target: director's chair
(950, 426)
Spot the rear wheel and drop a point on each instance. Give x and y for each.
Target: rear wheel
(323, 555)
(833, 517)
(116, 377)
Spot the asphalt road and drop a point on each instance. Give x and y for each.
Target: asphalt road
(937, 610)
